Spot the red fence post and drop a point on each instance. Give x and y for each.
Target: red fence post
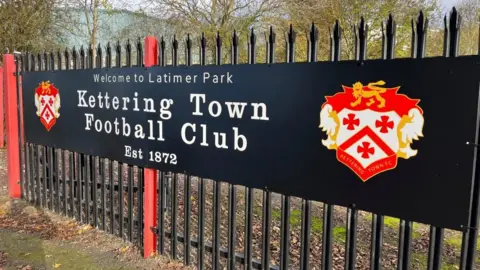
(11, 106)
(2, 114)
(150, 175)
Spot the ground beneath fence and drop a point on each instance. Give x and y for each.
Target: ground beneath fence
(32, 238)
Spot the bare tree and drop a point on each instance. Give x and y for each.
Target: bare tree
(216, 16)
(324, 13)
(83, 18)
(29, 25)
(224, 16)
(470, 16)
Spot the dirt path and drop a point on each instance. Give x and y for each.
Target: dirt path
(31, 238)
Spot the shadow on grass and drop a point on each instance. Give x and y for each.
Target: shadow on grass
(21, 239)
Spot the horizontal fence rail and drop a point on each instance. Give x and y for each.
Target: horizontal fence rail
(212, 224)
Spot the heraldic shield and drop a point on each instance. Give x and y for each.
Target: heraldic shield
(47, 101)
(370, 127)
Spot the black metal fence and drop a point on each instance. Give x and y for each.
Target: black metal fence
(239, 227)
(105, 194)
(94, 191)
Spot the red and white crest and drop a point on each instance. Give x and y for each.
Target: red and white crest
(47, 101)
(370, 127)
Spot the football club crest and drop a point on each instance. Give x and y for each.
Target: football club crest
(47, 101)
(370, 127)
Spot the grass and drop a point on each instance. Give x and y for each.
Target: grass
(394, 223)
(38, 252)
(339, 234)
(296, 220)
(317, 225)
(391, 222)
(455, 240)
(420, 262)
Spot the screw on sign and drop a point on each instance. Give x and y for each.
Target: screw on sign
(378, 126)
(47, 102)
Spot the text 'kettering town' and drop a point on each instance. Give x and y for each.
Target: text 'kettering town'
(152, 129)
(168, 78)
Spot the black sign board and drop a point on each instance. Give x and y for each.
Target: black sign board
(391, 137)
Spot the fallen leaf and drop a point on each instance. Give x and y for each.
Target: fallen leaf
(56, 265)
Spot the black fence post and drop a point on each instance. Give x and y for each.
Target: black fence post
(118, 54)
(162, 56)
(285, 200)
(187, 180)
(360, 32)
(267, 195)
(306, 204)
(130, 203)
(249, 191)
(128, 53)
(173, 177)
(161, 214)
(217, 186)
(111, 207)
(201, 181)
(378, 220)
(108, 57)
(121, 203)
(232, 191)
(335, 39)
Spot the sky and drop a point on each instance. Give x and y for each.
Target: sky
(448, 4)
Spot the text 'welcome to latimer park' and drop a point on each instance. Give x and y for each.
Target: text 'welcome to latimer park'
(190, 133)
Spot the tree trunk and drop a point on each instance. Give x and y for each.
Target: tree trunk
(95, 22)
